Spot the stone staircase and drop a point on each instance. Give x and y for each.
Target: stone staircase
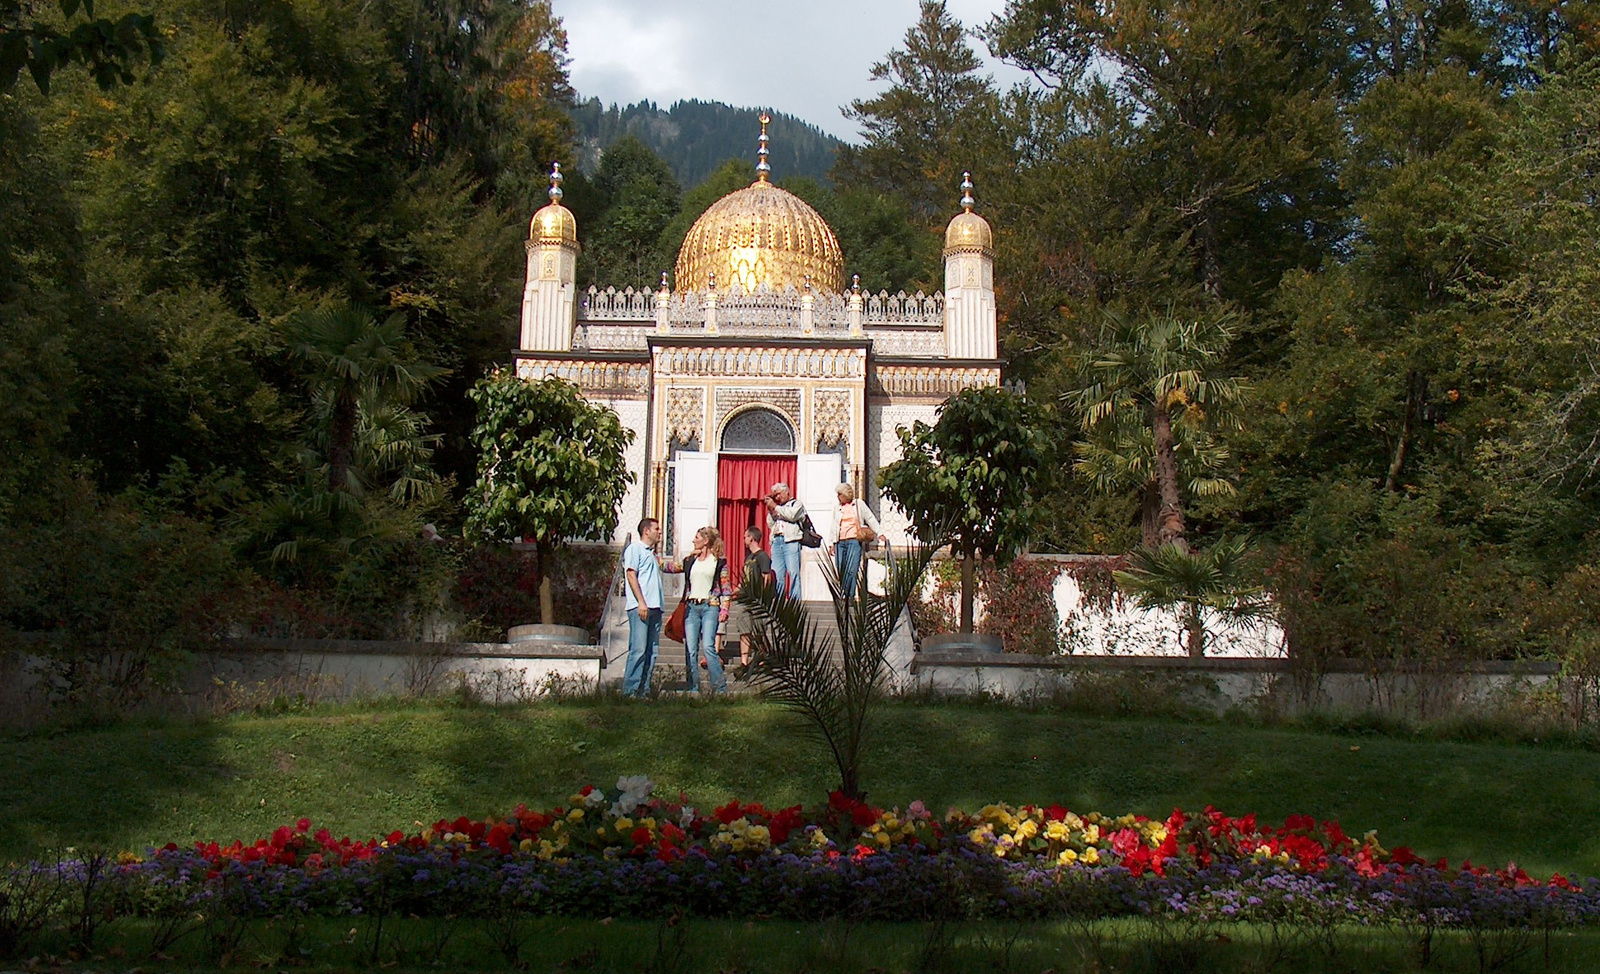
(669, 669)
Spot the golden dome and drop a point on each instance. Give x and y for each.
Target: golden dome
(968, 232)
(554, 224)
(760, 235)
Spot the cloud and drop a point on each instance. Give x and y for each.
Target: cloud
(807, 59)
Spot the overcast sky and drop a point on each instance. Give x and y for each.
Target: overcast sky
(804, 57)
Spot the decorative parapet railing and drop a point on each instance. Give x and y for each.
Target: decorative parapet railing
(932, 382)
(628, 379)
(813, 363)
(761, 308)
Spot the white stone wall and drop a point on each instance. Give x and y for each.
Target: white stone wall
(635, 415)
(883, 448)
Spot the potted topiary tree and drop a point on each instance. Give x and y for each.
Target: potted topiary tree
(550, 469)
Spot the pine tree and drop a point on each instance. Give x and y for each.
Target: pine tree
(922, 132)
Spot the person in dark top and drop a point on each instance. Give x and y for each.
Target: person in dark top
(757, 571)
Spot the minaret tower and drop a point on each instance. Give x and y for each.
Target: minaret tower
(549, 301)
(969, 316)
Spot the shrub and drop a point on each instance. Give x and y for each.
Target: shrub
(119, 593)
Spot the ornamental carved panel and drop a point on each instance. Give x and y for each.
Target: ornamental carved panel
(686, 411)
(830, 417)
(785, 401)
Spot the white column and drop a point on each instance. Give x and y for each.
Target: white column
(970, 328)
(549, 301)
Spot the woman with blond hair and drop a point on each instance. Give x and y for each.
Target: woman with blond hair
(709, 594)
(855, 532)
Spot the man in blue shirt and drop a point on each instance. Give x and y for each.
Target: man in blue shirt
(644, 608)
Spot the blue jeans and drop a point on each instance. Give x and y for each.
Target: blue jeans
(847, 555)
(786, 565)
(700, 636)
(644, 635)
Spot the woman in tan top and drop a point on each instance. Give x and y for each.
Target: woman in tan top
(856, 531)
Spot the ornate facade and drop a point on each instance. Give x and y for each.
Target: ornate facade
(756, 358)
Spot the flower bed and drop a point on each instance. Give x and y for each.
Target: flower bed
(627, 853)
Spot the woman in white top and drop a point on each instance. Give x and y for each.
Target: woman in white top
(855, 531)
(708, 593)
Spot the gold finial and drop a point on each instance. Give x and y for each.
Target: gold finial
(555, 182)
(664, 280)
(966, 192)
(855, 283)
(762, 169)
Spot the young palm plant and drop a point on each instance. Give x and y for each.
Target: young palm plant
(1218, 578)
(833, 682)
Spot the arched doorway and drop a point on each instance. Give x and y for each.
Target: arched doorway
(757, 450)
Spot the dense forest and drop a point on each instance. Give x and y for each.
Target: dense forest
(1320, 278)
(695, 137)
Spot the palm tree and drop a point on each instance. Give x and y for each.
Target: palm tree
(796, 664)
(353, 359)
(1217, 579)
(1157, 372)
(1120, 457)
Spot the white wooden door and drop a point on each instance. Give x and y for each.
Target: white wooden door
(816, 477)
(694, 499)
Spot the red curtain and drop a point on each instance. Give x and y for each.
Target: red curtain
(741, 483)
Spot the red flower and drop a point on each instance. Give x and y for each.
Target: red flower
(303, 825)
(641, 836)
(499, 839)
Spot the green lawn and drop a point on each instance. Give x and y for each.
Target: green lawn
(365, 771)
(562, 945)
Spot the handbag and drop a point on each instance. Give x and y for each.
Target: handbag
(864, 534)
(673, 627)
(808, 533)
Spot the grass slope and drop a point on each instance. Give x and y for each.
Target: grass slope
(366, 770)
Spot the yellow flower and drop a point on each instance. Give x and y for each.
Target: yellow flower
(882, 838)
(1091, 855)
(1091, 834)
(526, 845)
(1057, 832)
(1067, 857)
(576, 815)
(624, 824)
(1027, 828)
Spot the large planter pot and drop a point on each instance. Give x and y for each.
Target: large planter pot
(963, 642)
(541, 635)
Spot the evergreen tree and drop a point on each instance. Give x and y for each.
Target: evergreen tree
(922, 132)
(640, 198)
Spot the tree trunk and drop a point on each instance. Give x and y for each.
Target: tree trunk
(1150, 515)
(1196, 632)
(969, 586)
(1416, 389)
(341, 441)
(547, 605)
(1210, 258)
(1172, 529)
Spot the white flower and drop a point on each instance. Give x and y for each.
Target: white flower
(685, 818)
(635, 790)
(595, 799)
